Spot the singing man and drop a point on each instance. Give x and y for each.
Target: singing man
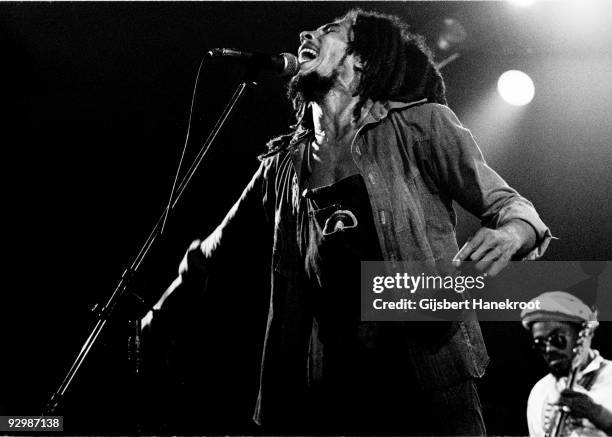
(369, 172)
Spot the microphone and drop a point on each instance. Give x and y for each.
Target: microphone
(285, 64)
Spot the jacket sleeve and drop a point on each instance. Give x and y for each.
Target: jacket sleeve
(221, 279)
(534, 410)
(230, 242)
(247, 217)
(466, 177)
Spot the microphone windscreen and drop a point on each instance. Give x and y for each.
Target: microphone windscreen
(291, 64)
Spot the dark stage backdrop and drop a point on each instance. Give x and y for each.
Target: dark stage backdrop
(96, 102)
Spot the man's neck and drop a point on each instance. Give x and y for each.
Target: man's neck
(333, 118)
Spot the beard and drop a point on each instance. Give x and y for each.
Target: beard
(310, 87)
(560, 368)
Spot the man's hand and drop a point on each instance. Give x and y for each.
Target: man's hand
(492, 249)
(582, 406)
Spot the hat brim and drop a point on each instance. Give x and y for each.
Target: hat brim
(549, 316)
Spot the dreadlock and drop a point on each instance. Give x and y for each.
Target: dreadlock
(397, 65)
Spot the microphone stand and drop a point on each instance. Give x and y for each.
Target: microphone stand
(121, 290)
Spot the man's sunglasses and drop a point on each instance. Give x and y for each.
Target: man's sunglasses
(558, 341)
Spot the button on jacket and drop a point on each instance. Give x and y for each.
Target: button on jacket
(415, 158)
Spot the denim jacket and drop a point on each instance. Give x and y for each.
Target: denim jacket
(415, 158)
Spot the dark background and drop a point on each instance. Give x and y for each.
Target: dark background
(96, 103)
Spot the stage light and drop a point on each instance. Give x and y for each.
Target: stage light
(522, 3)
(451, 34)
(515, 87)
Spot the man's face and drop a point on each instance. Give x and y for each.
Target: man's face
(555, 341)
(324, 50)
(324, 62)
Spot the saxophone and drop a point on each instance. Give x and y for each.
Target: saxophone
(559, 419)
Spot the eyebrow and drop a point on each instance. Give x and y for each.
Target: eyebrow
(329, 26)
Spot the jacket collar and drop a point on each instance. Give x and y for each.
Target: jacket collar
(595, 363)
(376, 112)
(380, 110)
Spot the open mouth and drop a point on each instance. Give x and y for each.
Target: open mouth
(306, 54)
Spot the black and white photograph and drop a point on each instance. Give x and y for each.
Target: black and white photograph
(307, 218)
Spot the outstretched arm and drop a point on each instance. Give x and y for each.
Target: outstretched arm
(229, 241)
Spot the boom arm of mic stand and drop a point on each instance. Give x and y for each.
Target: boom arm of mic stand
(121, 288)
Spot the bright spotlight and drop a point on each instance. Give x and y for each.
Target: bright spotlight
(522, 3)
(515, 87)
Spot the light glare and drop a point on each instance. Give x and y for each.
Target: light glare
(515, 87)
(522, 3)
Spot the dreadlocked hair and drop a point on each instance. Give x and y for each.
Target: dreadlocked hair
(397, 65)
